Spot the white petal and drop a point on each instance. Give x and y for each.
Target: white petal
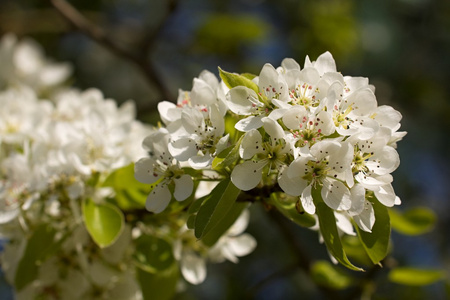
(309, 75)
(217, 121)
(278, 112)
(344, 224)
(239, 225)
(272, 84)
(168, 112)
(200, 162)
(249, 123)
(336, 195)
(8, 214)
(240, 100)
(358, 197)
(247, 175)
(387, 116)
(289, 64)
(294, 117)
(386, 161)
(143, 170)
(158, 199)
(202, 93)
(291, 186)
(307, 201)
(273, 128)
(281, 104)
(366, 218)
(325, 123)
(242, 245)
(192, 120)
(386, 195)
(193, 268)
(251, 144)
(183, 148)
(372, 182)
(227, 253)
(222, 144)
(364, 102)
(183, 187)
(325, 63)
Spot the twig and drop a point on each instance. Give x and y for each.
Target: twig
(149, 40)
(76, 19)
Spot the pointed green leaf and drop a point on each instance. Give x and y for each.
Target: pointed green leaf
(153, 254)
(160, 285)
(213, 235)
(249, 75)
(288, 208)
(355, 250)
(227, 157)
(376, 243)
(328, 228)
(328, 275)
(415, 221)
(415, 277)
(39, 247)
(232, 80)
(104, 222)
(215, 207)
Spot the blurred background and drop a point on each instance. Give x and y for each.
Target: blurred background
(402, 46)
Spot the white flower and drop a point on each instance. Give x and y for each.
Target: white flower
(25, 63)
(308, 128)
(192, 255)
(258, 154)
(244, 101)
(328, 164)
(202, 138)
(161, 168)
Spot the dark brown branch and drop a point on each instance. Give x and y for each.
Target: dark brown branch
(76, 19)
(150, 39)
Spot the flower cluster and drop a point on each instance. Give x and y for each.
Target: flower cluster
(306, 129)
(53, 153)
(68, 211)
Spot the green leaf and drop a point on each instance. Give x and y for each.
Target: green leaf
(193, 209)
(215, 207)
(415, 277)
(376, 243)
(161, 285)
(248, 75)
(227, 157)
(130, 193)
(328, 275)
(415, 221)
(39, 247)
(355, 250)
(212, 236)
(104, 222)
(153, 254)
(232, 80)
(287, 206)
(327, 223)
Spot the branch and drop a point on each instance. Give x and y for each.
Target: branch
(151, 37)
(76, 19)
